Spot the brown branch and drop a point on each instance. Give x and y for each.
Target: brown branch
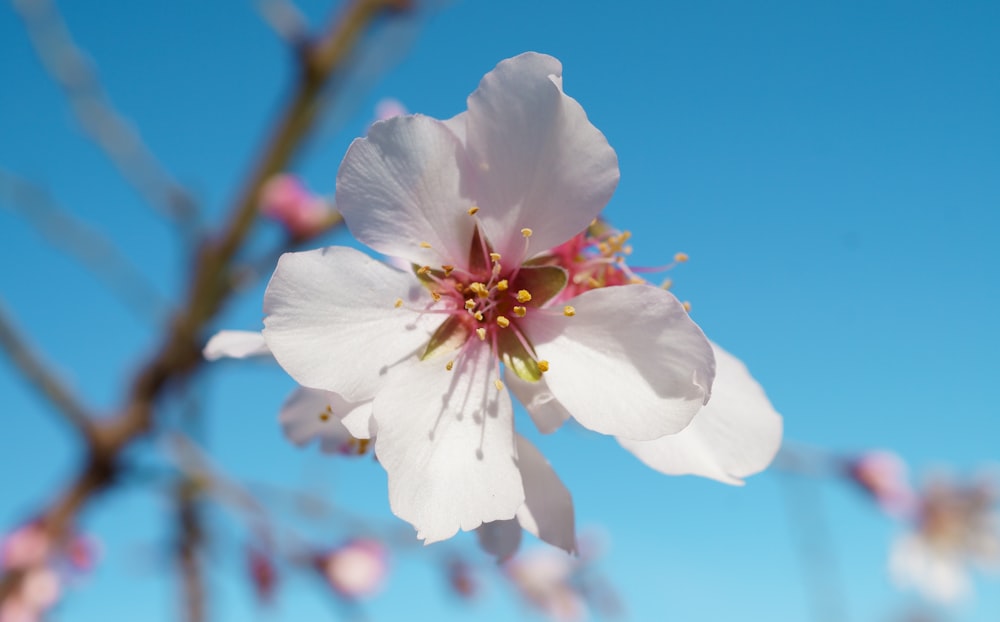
(190, 540)
(88, 246)
(118, 139)
(211, 285)
(39, 376)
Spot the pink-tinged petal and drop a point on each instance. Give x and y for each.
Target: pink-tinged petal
(500, 538)
(734, 436)
(457, 125)
(446, 440)
(400, 189)
(312, 414)
(332, 324)
(538, 161)
(235, 344)
(547, 512)
(544, 409)
(630, 362)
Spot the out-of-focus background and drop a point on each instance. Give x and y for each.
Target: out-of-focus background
(831, 169)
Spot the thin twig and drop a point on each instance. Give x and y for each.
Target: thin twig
(190, 540)
(118, 139)
(38, 375)
(88, 246)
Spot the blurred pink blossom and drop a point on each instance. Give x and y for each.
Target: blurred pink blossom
(286, 200)
(544, 578)
(356, 569)
(388, 107)
(883, 476)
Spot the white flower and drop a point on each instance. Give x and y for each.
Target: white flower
(469, 202)
(956, 527)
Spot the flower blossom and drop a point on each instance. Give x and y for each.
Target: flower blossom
(955, 527)
(286, 200)
(736, 434)
(469, 203)
(355, 569)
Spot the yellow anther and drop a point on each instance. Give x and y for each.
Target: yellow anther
(627, 250)
(425, 245)
(687, 306)
(473, 210)
(604, 248)
(448, 269)
(502, 321)
(624, 236)
(481, 332)
(450, 365)
(479, 289)
(543, 366)
(398, 303)
(324, 417)
(498, 384)
(569, 311)
(667, 284)
(495, 256)
(436, 296)
(526, 232)
(680, 257)
(636, 281)
(520, 311)
(593, 282)
(423, 270)
(478, 315)
(502, 285)
(470, 303)
(329, 409)
(523, 295)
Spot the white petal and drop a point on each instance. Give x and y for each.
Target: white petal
(547, 512)
(332, 323)
(538, 160)
(457, 125)
(311, 414)
(236, 344)
(630, 362)
(500, 538)
(938, 575)
(735, 435)
(446, 440)
(402, 186)
(545, 410)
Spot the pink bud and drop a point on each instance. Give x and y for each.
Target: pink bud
(263, 575)
(882, 474)
(356, 569)
(284, 199)
(387, 108)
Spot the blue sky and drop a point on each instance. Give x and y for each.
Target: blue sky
(830, 168)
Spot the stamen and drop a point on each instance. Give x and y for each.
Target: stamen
(473, 210)
(425, 245)
(502, 285)
(569, 311)
(543, 366)
(526, 232)
(481, 333)
(495, 256)
(680, 257)
(498, 384)
(448, 269)
(470, 304)
(479, 289)
(436, 296)
(398, 303)
(520, 311)
(478, 315)
(502, 321)
(687, 306)
(523, 296)
(667, 283)
(324, 417)
(422, 270)
(450, 365)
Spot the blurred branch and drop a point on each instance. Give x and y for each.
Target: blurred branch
(190, 540)
(211, 283)
(72, 72)
(90, 247)
(38, 375)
